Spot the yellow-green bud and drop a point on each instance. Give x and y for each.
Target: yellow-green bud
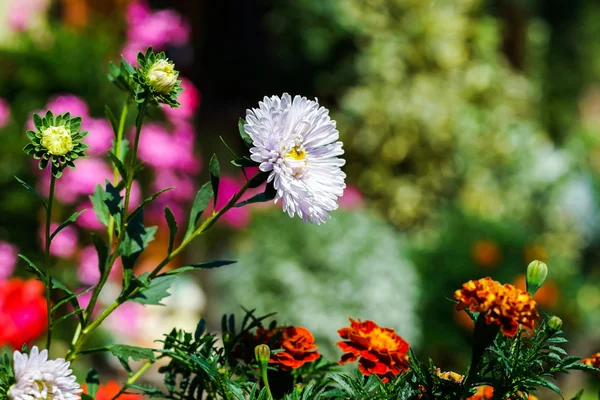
(555, 323)
(262, 352)
(537, 271)
(57, 140)
(162, 76)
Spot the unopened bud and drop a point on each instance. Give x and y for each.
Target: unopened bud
(262, 352)
(537, 271)
(162, 76)
(555, 323)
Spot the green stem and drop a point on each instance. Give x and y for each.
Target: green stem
(117, 150)
(210, 221)
(133, 378)
(48, 241)
(265, 379)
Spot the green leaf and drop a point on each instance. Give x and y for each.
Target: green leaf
(56, 284)
(78, 312)
(68, 298)
(578, 395)
(258, 179)
(32, 190)
(202, 265)
(244, 162)
(119, 164)
(69, 221)
(113, 201)
(135, 353)
(172, 223)
(200, 203)
(157, 290)
(34, 269)
(100, 208)
(146, 201)
(112, 119)
(267, 195)
(229, 148)
(215, 173)
(245, 137)
(137, 238)
(102, 250)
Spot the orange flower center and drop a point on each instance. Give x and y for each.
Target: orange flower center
(382, 340)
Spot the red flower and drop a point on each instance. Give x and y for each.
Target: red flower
(380, 351)
(593, 360)
(23, 312)
(297, 343)
(504, 305)
(487, 393)
(108, 391)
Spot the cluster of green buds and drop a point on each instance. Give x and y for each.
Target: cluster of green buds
(56, 140)
(155, 81)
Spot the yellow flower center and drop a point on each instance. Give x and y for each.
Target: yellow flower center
(41, 385)
(297, 153)
(382, 340)
(57, 140)
(162, 76)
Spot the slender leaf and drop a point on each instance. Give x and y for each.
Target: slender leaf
(92, 382)
(69, 221)
(200, 203)
(172, 223)
(32, 190)
(215, 173)
(119, 164)
(203, 265)
(146, 201)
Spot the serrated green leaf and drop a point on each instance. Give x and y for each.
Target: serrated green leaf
(32, 190)
(137, 238)
(215, 173)
(157, 290)
(172, 223)
(202, 265)
(131, 352)
(200, 203)
(69, 221)
(100, 208)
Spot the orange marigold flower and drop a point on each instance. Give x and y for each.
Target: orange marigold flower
(379, 351)
(110, 390)
(486, 253)
(594, 360)
(487, 393)
(297, 343)
(504, 305)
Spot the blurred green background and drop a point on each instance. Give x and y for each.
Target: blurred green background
(472, 138)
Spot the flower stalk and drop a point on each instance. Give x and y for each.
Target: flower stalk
(48, 282)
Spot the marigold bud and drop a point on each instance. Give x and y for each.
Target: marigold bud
(555, 323)
(57, 140)
(537, 271)
(162, 76)
(262, 352)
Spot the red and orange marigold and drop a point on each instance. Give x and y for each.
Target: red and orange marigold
(379, 351)
(593, 361)
(487, 393)
(504, 305)
(297, 343)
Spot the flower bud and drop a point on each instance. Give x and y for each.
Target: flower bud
(57, 140)
(537, 271)
(162, 76)
(262, 352)
(555, 323)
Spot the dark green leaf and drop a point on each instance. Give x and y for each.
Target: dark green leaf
(200, 203)
(228, 148)
(34, 269)
(172, 223)
(202, 265)
(146, 201)
(69, 221)
(102, 250)
(247, 140)
(119, 164)
(137, 238)
(112, 119)
(258, 179)
(100, 208)
(215, 173)
(32, 190)
(135, 353)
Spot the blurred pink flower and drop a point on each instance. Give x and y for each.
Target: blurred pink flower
(352, 198)
(88, 219)
(100, 136)
(80, 181)
(152, 28)
(8, 259)
(161, 149)
(4, 112)
(184, 186)
(21, 14)
(89, 271)
(67, 102)
(125, 320)
(64, 244)
(189, 99)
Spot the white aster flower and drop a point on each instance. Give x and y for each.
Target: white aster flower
(40, 378)
(297, 142)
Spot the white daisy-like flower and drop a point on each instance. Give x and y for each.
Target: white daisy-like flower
(40, 378)
(297, 142)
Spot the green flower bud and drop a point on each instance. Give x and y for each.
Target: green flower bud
(262, 352)
(57, 140)
(537, 271)
(162, 76)
(555, 323)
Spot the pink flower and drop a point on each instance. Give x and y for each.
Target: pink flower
(161, 149)
(184, 186)
(189, 99)
(22, 14)
(64, 244)
(126, 319)
(4, 112)
(67, 102)
(82, 180)
(88, 219)
(236, 218)
(8, 259)
(352, 198)
(100, 136)
(153, 28)
(89, 271)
